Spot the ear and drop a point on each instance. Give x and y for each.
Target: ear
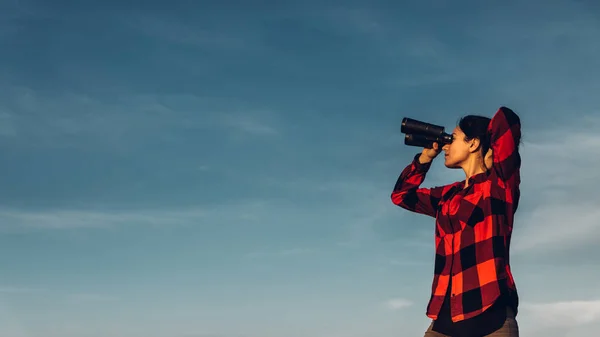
(474, 145)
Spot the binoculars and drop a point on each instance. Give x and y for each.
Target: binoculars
(421, 134)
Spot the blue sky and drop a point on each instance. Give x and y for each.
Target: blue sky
(196, 169)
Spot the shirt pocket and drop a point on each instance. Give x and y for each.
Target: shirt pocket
(472, 210)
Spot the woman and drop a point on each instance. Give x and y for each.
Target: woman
(473, 290)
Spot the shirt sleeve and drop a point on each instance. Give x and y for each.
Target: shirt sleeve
(409, 195)
(505, 135)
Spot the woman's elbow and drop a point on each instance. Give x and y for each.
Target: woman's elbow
(398, 198)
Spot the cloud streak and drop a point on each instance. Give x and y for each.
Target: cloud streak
(83, 298)
(67, 219)
(560, 319)
(79, 120)
(249, 124)
(283, 253)
(559, 203)
(398, 303)
(18, 290)
(7, 127)
(564, 314)
(15, 219)
(189, 34)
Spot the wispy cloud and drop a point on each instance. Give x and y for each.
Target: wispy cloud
(297, 251)
(209, 334)
(558, 226)
(128, 120)
(286, 252)
(12, 13)
(560, 202)
(564, 313)
(73, 298)
(362, 207)
(353, 21)
(398, 303)
(64, 219)
(80, 120)
(7, 127)
(189, 33)
(18, 290)
(12, 324)
(15, 219)
(249, 123)
(91, 298)
(411, 262)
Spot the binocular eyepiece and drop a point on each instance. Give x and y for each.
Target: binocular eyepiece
(421, 134)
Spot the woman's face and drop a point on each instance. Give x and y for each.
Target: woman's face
(457, 152)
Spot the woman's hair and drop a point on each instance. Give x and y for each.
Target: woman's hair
(476, 127)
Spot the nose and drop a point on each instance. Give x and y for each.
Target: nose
(446, 147)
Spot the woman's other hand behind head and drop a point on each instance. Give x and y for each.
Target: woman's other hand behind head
(488, 160)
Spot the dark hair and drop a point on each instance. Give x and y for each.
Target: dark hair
(476, 127)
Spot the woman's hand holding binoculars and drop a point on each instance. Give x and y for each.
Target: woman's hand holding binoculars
(429, 154)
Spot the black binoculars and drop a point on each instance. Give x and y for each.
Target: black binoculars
(423, 134)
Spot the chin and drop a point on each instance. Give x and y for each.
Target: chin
(451, 165)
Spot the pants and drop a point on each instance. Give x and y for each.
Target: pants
(509, 329)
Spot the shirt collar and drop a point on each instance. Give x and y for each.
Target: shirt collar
(479, 177)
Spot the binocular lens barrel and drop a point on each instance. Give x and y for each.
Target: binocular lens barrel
(423, 134)
(418, 127)
(419, 141)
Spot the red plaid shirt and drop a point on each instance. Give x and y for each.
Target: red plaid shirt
(473, 224)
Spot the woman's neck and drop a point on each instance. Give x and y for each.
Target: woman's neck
(472, 167)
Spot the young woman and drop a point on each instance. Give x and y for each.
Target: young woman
(473, 290)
